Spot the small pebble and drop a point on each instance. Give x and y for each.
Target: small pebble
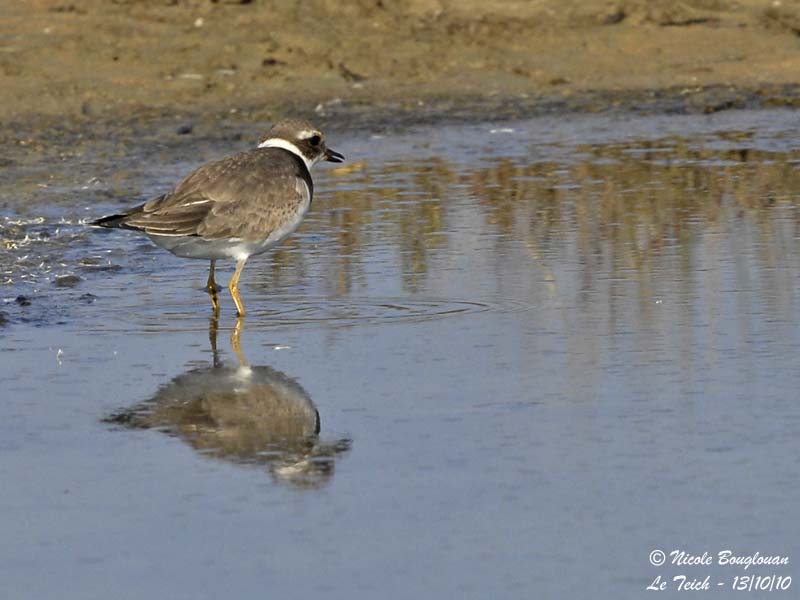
(87, 109)
(22, 300)
(184, 129)
(67, 281)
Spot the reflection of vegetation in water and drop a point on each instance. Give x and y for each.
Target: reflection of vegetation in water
(247, 415)
(628, 201)
(397, 202)
(617, 208)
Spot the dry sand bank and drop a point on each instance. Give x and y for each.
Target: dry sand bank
(80, 60)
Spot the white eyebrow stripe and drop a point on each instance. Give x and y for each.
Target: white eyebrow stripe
(286, 145)
(307, 133)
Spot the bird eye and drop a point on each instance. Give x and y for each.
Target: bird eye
(314, 140)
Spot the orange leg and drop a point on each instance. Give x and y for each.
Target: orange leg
(233, 287)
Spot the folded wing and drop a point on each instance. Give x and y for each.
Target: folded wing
(245, 196)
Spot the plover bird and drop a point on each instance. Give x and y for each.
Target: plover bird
(238, 206)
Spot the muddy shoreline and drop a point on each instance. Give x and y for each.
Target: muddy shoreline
(382, 115)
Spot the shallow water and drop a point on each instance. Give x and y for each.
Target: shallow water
(501, 360)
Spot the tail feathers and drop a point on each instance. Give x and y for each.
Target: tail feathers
(110, 221)
(119, 221)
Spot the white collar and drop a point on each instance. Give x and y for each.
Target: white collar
(286, 145)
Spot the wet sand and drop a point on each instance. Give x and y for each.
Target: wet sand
(81, 62)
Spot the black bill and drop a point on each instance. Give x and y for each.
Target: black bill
(333, 156)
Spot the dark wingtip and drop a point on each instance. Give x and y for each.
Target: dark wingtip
(110, 221)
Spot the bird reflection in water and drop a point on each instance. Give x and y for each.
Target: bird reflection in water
(243, 414)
